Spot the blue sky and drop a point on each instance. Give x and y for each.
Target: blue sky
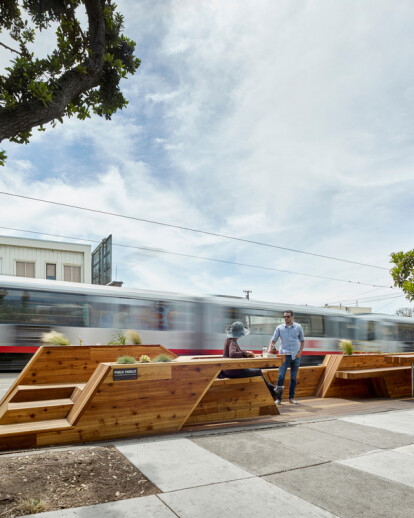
(289, 123)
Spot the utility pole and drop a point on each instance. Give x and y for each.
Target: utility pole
(247, 292)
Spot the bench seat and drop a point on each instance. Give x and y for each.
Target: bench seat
(369, 373)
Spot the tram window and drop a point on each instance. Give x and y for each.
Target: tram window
(348, 328)
(104, 312)
(170, 315)
(388, 332)
(223, 317)
(305, 321)
(406, 333)
(263, 324)
(58, 309)
(120, 313)
(370, 330)
(317, 325)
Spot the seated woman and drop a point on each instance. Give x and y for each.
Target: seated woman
(232, 350)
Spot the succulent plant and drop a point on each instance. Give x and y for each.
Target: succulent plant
(126, 359)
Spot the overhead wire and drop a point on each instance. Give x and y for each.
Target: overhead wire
(189, 229)
(162, 251)
(365, 299)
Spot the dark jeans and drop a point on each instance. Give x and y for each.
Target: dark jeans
(249, 373)
(294, 367)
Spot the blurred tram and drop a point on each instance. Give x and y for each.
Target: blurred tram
(186, 325)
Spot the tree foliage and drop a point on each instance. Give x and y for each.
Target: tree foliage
(405, 312)
(79, 77)
(403, 272)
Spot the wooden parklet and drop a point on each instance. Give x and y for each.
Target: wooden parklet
(77, 394)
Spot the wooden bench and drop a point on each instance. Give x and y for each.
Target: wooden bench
(360, 376)
(384, 380)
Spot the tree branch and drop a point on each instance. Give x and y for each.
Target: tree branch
(9, 48)
(23, 117)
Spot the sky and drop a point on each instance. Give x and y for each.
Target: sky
(284, 123)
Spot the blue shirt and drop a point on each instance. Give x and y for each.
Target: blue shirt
(290, 337)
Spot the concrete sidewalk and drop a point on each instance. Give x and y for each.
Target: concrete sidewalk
(354, 466)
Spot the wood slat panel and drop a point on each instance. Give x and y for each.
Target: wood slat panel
(233, 398)
(17, 442)
(307, 379)
(402, 359)
(52, 364)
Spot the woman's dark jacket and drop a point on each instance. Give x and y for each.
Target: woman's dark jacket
(232, 350)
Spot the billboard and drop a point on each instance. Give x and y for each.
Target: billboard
(102, 262)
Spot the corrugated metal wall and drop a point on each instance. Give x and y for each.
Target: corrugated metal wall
(11, 254)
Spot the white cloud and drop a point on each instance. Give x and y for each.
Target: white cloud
(283, 122)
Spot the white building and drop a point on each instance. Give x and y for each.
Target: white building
(45, 259)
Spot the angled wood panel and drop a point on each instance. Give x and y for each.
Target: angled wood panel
(229, 399)
(331, 364)
(307, 379)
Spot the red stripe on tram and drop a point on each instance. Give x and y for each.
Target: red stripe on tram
(18, 349)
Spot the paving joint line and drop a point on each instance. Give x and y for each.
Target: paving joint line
(298, 468)
(210, 483)
(166, 505)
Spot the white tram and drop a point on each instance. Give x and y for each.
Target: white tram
(184, 324)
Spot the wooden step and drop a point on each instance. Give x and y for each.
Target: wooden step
(32, 411)
(26, 393)
(53, 425)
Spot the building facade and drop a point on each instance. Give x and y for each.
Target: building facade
(53, 260)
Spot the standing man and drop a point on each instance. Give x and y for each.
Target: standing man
(292, 344)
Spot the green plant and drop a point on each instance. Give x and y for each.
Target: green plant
(126, 359)
(346, 346)
(163, 358)
(144, 359)
(133, 337)
(118, 338)
(31, 505)
(55, 338)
